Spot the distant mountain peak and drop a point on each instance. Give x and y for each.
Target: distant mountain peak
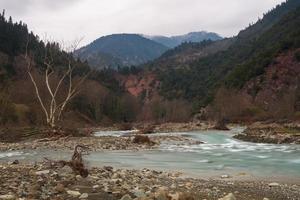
(122, 49)
(174, 41)
(126, 49)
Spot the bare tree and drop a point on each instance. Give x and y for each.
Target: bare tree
(53, 111)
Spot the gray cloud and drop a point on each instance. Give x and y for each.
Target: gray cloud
(68, 19)
(21, 7)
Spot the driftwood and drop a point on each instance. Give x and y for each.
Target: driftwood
(142, 139)
(76, 163)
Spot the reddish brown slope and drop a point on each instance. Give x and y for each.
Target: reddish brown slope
(144, 84)
(272, 95)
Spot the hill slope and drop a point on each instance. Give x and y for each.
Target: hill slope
(120, 50)
(99, 99)
(199, 78)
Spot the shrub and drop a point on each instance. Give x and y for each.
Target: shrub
(7, 109)
(21, 111)
(297, 56)
(297, 115)
(125, 126)
(252, 111)
(147, 130)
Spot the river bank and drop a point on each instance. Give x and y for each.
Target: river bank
(19, 139)
(218, 167)
(95, 143)
(160, 128)
(258, 132)
(41, 182)
(274, 133)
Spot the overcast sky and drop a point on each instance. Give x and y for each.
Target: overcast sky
(70, 19)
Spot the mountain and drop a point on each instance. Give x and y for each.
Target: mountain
(187, 53)
(120, 50)
(196, 72)
(268, 20)
(252, 75)
(174, 41)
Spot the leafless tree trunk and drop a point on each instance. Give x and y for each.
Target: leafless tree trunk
(54, 110)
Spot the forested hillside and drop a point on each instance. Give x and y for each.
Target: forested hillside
(100, 98)
(232, 78)
(248, 56)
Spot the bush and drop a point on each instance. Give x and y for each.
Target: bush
(125, 126)
(21, 111)
(297, 56)
(252, 111)
(297, 115)
(7, 109)
(147, 130)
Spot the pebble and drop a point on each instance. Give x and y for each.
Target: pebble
(73, 193)
(108, 168)
(42, 172)
(96, 186)
(84, 196)
(15, 162)
(126, 197)
(225, 176)
(161, 195)
(230, 196)
(274, 184)
(139, 193)
(60, 187)
(33, 190)
(78, 178)
(175, 196)
(189, 184)
(7, 197)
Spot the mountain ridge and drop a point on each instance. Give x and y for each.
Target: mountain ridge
(120, 50)
(174, 41)
(124, 49)
(248, 56)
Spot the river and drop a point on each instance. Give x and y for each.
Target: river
(220, 154)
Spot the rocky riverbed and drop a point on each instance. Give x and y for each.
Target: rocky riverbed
(96, 143)
(183, 127)
(38, 181)
(164, 127)
(271, 133)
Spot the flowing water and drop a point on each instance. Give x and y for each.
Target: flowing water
(219, 154)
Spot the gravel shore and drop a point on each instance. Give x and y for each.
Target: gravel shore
(37, 181)
(95, 143)
(271, 133)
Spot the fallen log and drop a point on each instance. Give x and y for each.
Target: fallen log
(76, 163)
